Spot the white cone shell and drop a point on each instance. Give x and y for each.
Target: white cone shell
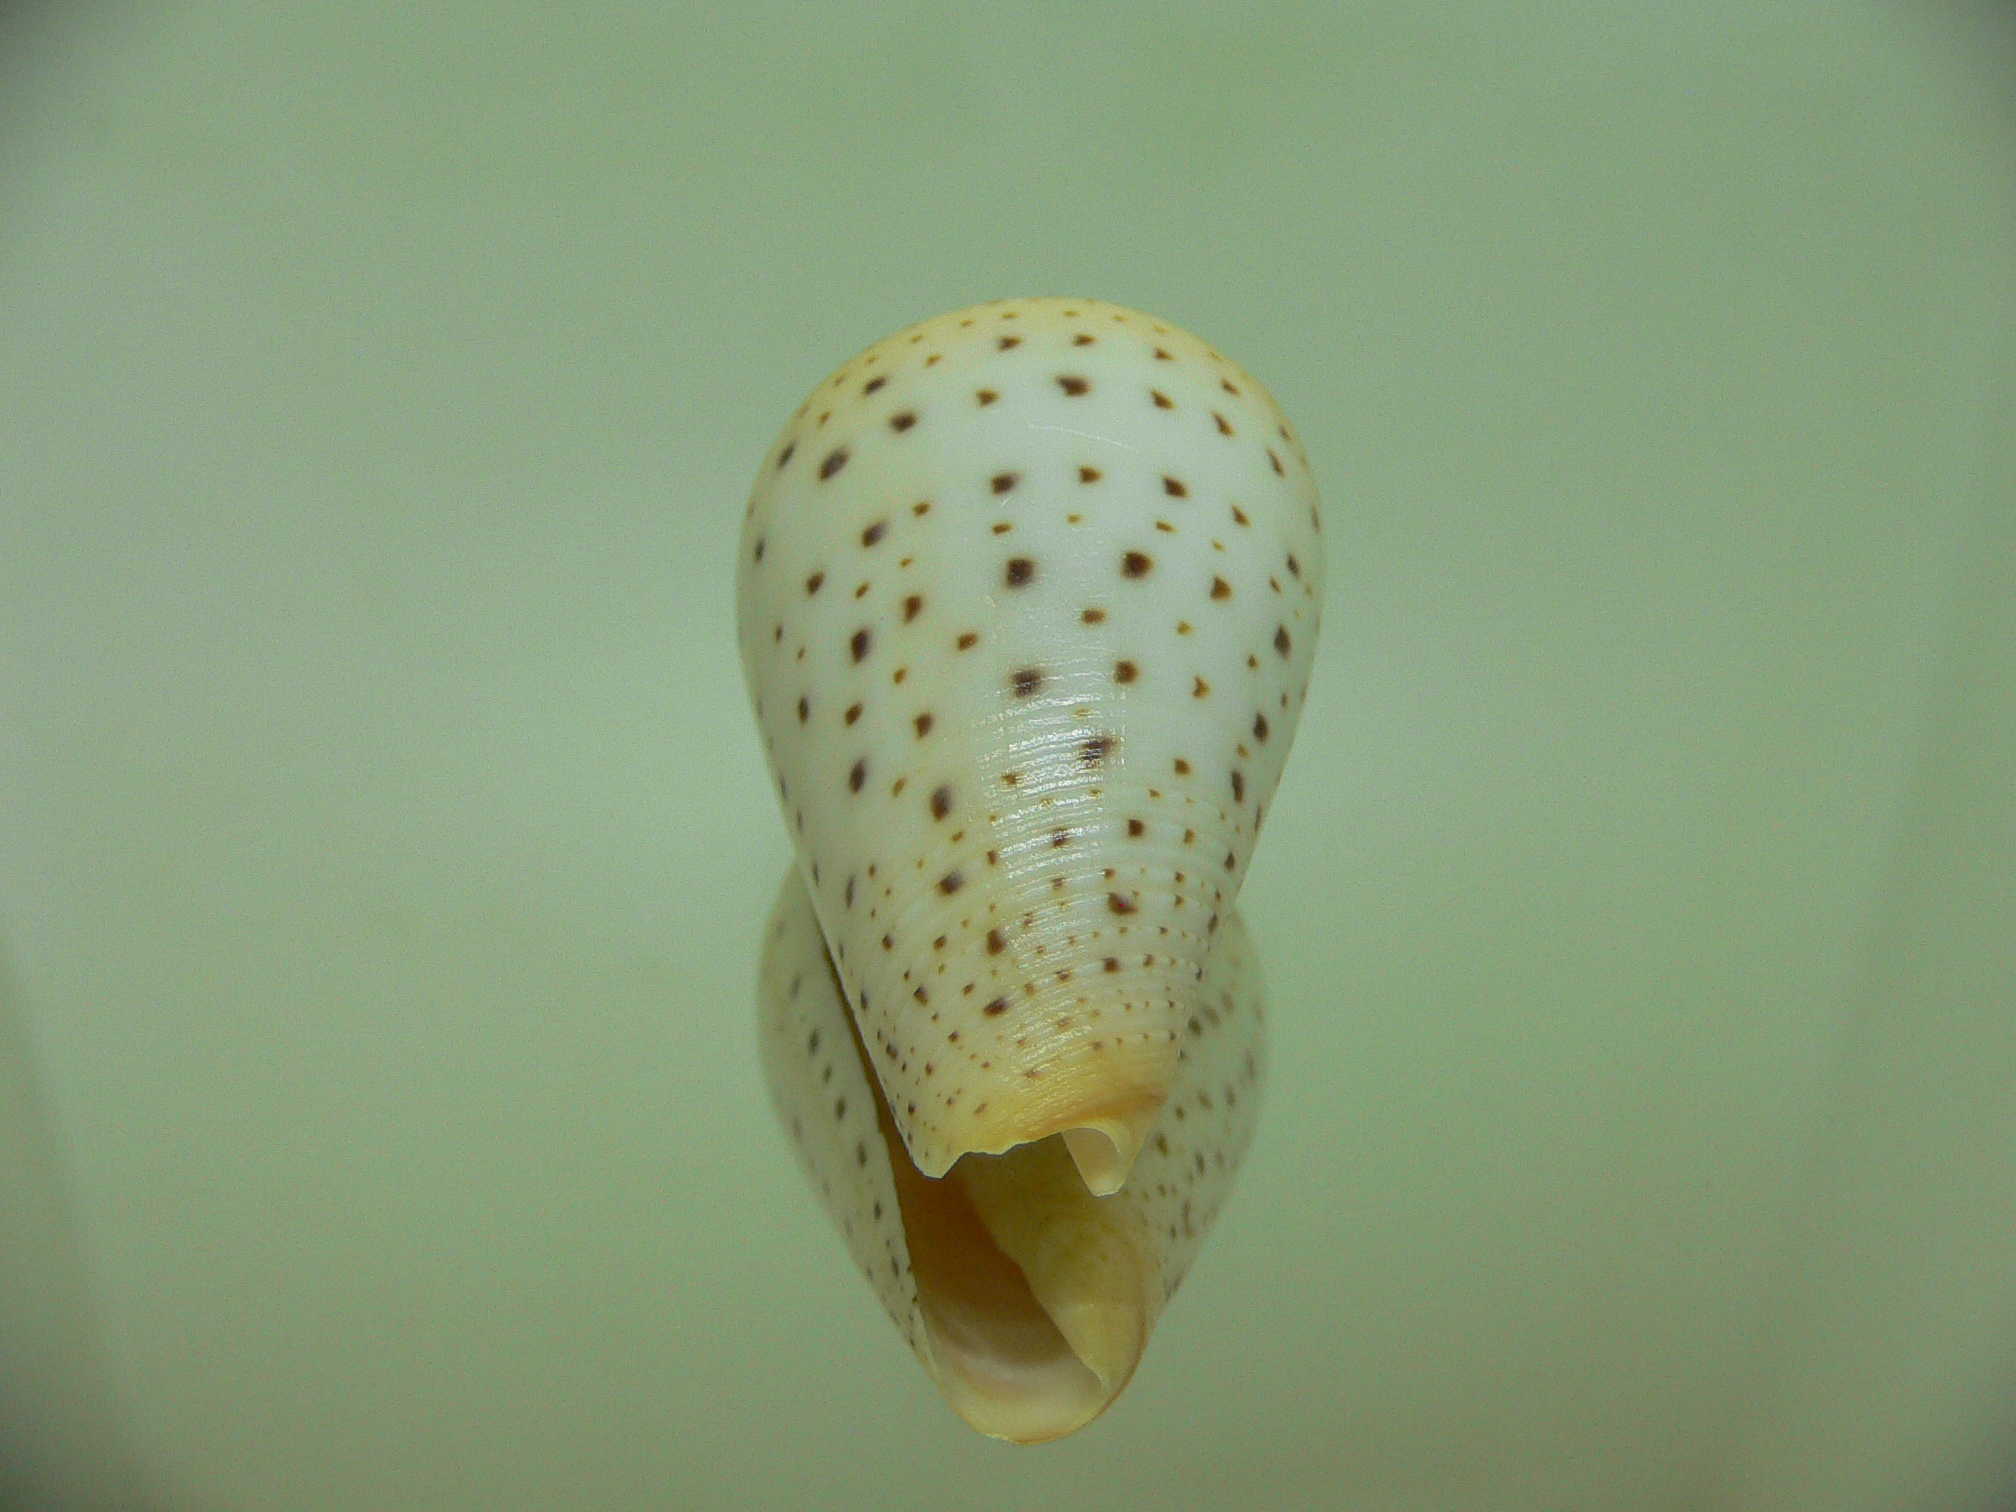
(1027, 597)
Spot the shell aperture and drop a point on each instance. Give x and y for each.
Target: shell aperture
(1027, 598)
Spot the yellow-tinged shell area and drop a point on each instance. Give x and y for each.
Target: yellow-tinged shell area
(1027, 596)
(1027, 1299)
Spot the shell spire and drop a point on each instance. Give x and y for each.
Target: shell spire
(1027, 597)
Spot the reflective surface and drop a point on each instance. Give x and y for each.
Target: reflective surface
(385, 840)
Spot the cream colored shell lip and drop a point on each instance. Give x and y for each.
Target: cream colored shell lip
(1028, 1301)
(1027, 598)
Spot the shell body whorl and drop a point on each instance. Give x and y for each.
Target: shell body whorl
(1027, 596)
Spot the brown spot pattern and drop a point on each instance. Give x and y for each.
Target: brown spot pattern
(1145, 624)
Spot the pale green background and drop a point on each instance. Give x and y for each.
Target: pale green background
(383, 835)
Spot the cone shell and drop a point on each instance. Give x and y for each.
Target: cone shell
(1027, 1299)
(1027, 598)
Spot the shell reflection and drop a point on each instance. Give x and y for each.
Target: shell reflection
(1027, 1299)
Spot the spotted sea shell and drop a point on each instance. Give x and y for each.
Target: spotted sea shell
(1027, 596)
